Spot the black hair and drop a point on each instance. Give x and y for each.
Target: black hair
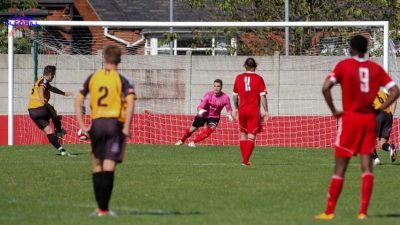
(218, 81)
(250, 62)
(359, 43)
(49, 70)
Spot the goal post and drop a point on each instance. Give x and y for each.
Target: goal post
(183, 64)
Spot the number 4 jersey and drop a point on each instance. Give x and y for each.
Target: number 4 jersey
(108, 94)
(249, 86)
(360, 80)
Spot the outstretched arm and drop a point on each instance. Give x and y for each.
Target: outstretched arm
(58, 91)
(326, 91)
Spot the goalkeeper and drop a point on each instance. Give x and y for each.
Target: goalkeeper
(209, 111)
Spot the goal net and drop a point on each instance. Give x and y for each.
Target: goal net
(172, 67)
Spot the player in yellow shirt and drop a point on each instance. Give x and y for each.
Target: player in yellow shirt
(384, 123)
(112, 103)
(41, 111)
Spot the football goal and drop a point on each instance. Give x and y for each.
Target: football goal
(172, 64)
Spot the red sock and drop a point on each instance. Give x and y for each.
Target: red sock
(186, 135)
(243, 149)
(366, 190)
(203, 135)
(335, 187)
(249, 148)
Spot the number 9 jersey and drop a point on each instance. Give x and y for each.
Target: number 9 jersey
(360, 80)
(108, 94)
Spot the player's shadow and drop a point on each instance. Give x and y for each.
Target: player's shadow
(72, 154)
(157, 213)
(390, 215)
(390, 164)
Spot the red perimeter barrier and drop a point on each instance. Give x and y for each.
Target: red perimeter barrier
(148, 128)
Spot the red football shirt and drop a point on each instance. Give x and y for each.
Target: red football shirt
(360, 80)
(249, 86)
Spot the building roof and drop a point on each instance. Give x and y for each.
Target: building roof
(34, 12)
(55, 1)
(146, 10)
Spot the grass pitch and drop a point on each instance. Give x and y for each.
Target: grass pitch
(180, 185)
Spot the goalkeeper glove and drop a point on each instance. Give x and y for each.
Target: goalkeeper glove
(202, 111)
(230, 118)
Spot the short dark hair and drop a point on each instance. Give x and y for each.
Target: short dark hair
(359, 43)
(218, 81)
(250, 62)
(112, 54)
(49, 70)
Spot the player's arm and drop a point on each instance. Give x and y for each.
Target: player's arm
(41, 94)
(228, 108)
(393, 107)
(202, 105)
(263, 99)
(130, 109)
(394, 94)
(264, 104)
(79, 100)
(128, 92)
(326, 91)
(58, 91)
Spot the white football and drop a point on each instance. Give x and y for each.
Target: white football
(83, 135)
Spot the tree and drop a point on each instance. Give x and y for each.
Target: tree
(302, 10)
(22, 45)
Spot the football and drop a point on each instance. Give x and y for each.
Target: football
(83, 135)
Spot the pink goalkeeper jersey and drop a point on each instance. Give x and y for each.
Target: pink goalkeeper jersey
(214, 104)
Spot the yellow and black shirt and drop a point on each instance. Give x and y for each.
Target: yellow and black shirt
(34, 101)
(108, 94)
(380, 98)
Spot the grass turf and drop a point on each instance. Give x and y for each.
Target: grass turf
(181, 185)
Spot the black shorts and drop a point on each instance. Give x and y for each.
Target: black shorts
(40, 116)
(107, 139)
(384, 123)
(200, 121)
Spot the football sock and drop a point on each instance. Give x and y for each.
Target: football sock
(374, 154)
(242, 150)
(385, 147)
(57, 123)
(367, 184)
(53, 139)
(335, 187)
(249, 148)
(108, 177)
(97, 183)
(186, 135)
(203, 135)
(103, 183)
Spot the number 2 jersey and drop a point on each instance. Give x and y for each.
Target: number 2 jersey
(108, 94)
(360, 80)
(249, 86)
(380, 98)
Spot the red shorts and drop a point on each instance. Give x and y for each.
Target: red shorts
(250, 119)
(356, 134)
